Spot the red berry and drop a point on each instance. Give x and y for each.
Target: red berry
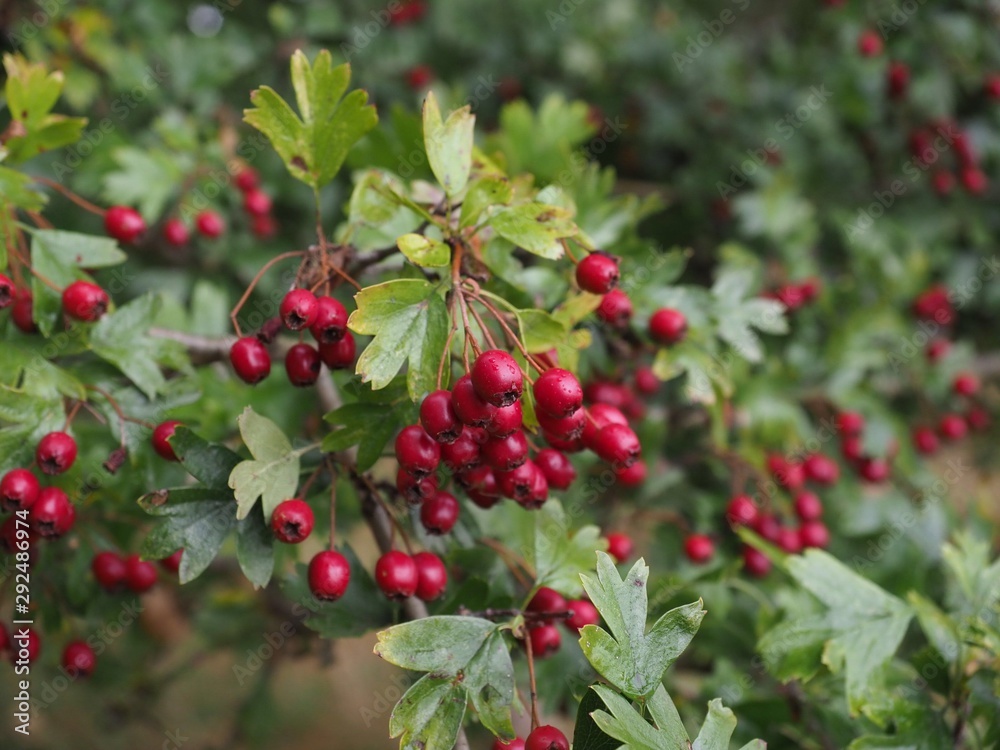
(28, 650)
(604, 392)
(22, 313)
(84, 301)
(330, 323)
(821, 469)
(545, 640)
(952, 427)
(298, 309)
(302, 364)
(124, 224)
(667, 326)
(263, 226)
(109, 570)
(991, 85)
(419, 77)
(978, 419)
(7, 292)
(558, 393)
(161, 439)
(515, 744)
(808, 506)
(173, 563)
(538, 491)
(925, 441)
(469, 407)
(13, 537)
(742, 511)
(250, 360)
(558, 470)
(814, 534)
(768, 527)
(898, 76)
(563, 428)
(462, 453)
(850, 423)
(632, 476)
(620, 546)
(646, 381)
(546, 737)
(480, 485)
(439, 513)
(292, 521)
(432, 576)
(140, 575)
(396, 574)
(937, 349)
(850, 448)
(19, 489)
(547, 600)
(55, 453)
(699, 548)
(506, 454)
(973, 180)
(497, 378)
(329, 574)
(415, 489)
(965, 384)
(175, 232)
(256, 202)
(934, 304)
(600, 416)
(597, 273)
(438, 418)
(340, 354)
(209, 224)
(78, 659)
(571, 445)
(584, 613)
(943, 182)
(615, 308)
(519, 483)
(416, 452)
(247, 179)
(618, 445)
(874, 470)
(869, 43)
(506, 420)
(789, 541)
(755, 563)
(788, 474)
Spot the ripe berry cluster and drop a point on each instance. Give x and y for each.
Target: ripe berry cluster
(397, 574)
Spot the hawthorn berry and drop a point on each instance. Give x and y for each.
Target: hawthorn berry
(173, 562)
(546, 600)
(175, 232)
(546, 737)
(934, 304)
(462, 453)
(974, 180)
(416, 452)
(22, 313)
(978, 419)
(439, 513)
(631, 476)
(789, 474)
(480, 485)
(943, 182)
(340, 354)
(814, 534)
(506, 420)
(519, 483)
(850, 423)
(469, 407)
(263, 226)
(755, 562)
(209, 224)
(564, 428)
(140, 575)
(7, 292)
(869, 43)
(123, 223)
(952, 427)
(742, 511)
(789, 540)
(991, 85)
(821, 469)
(298, 309)
(302, 364)
(768, 527)
(618, 445)
(247, 179)
(161, 439)
(415, 489)
(515, 744)
(667, 326)
(808, 506)
(545, 640)
(419, 77)
(330, 323)
(78, 659)
(898, 79)
(851, 448)
(109, 570)
(256, 202)
(558, 470)
(699, 548)
(506, 454)
(600, 416)
(432, 576)
(84, 301)
(605, 392)
(937, 349)
(19, 489)
(597, 273)
(31, 650)
(874, 470)
(292, 521)
(250, 360)
(329, 575)
(12, 537)
(615, 309)
(925, 441)
(965, 384)
(646, 381)
(55, 453)
(497, 378)
(620, 546)
(566, 445)
(584, 613)
(396, 574)
(558, 393)
(438, 418)
(538, 490)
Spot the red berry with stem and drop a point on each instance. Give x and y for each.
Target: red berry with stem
(808, 506)
(506, 454)
(755, 562)
(789, 540)
(140, 575)
(545, 640)
(667, 326)
(462, 453)
(298, 309)
(821, 469)
(768, 527)
(538, 490)
(584, 613)
(340, 354)
(439, 513)
(597, 273)
(952, 427)
(416, 452)
(615, 309)
(329, 575)
(330, 323)
(480, 485)
(250, 360)
(646, 381)
(497, 378)
(124, 224)
(519, 483)
(209, 224)
(257, 202)
(19, 489)
(109, 570)
(432, 576)
(600, 416)
(415, 489)
(22, 313)
(546, 600)
(438, 418)
(742, 511)
(506, 420)
(925, 441)
(558, 393)
(8, 293)
(898, 78)
(78, 659)
(84, 301)
(850, 423)
(699, 548)
(247, 179)
(874, 470)
(632, 476)
(161, 439)
(292, 521)
(965, 384)
(618, 445)
(302, 364)
(814, 534)
(396, 575)
(176, 233)
(620, 546)
(469, 407)
(563, 428)
(173, 563)
(558, 469)
(55, 453)
(546, 737)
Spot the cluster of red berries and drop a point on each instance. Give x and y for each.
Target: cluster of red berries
(871, 469)
(795, 296)
(82, 301)
(115, 573)
(78, 658)
(397, 574)
(403, 12)
(952, 425)
(967, 167)
(324, 317)
(547, 606)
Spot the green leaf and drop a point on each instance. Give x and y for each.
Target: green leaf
(36, 374)
(535, 227)
(147, 177)
(586, 734)
(490, 190)
(628, 657)
(16, 189)
(941, 630)
(625, 724)
(369, 426)
(210, 463)
(409, 321)
(559, 556)
(449, 144)
(122, 339)
(314, 143)
(424, 251)
(718, 728)
(255, 548)
(430, 714)
(272, 474)
(737, 316)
